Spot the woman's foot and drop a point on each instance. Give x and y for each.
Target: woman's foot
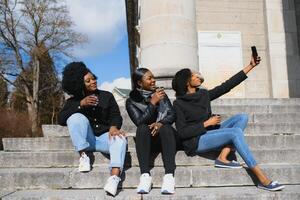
(144, 186)
(84, 163)
(273, 186)
(168, 185)
(111, 185)
(227, 164)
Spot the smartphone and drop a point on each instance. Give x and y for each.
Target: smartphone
(254, 52)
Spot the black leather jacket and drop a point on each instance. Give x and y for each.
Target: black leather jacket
(141, 111)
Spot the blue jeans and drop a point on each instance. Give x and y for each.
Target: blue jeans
(83, 138)
(230, 132)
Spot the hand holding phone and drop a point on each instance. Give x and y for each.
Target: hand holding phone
(255, 60)
(254, 53)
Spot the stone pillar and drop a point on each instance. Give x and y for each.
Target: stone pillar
(283, 49)
(168, 37)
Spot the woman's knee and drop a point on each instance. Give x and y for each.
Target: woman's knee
(120, 141)
(142, 129)
(237, 132)
(243, 117)
(167, 130)
(77, 118)
(233, 133)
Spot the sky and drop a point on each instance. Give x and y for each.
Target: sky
(106, 53)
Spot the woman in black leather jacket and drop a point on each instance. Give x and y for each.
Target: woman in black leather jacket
(151, 111)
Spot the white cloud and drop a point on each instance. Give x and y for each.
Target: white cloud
(103, 21)
(124, 83)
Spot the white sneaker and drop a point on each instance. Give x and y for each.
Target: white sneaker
(84, 163)
(168, 185)
(111, 185)
(145, 184)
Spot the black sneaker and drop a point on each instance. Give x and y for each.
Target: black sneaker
(273, 186)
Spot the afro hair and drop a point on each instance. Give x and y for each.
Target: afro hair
(73, 79)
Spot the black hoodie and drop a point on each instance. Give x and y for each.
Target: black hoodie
(193, 110)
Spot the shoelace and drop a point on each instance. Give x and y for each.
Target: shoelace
(115, 178)
(84, 159)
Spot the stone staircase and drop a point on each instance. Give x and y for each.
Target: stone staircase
(46, 168)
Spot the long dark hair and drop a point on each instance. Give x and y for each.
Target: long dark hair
(138, 76)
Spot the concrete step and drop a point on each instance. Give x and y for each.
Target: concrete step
(257, 113)
(271, 118)
(254, 118)
(291, 192)
(63, 178)
(275, 109)
(256, 101)
(247, 108)
(252, 128)
(253, 101)
(276, 128)
(264, 141)
(70, 158)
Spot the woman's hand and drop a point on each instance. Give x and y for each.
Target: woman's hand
(212, 121)
(253, 63)
(154, 127)
(91, 100)
(114, 131)
(157, 97)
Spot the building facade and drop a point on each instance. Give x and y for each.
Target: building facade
(214, 37)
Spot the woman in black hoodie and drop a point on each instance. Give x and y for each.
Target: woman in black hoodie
(94, 121)
(151, 111)
(200, 131)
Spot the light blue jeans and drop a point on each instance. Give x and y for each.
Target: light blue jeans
(83, 138)
(230, 132)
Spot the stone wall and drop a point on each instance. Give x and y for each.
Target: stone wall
(247, 17)
(295, 84)
(297, 8)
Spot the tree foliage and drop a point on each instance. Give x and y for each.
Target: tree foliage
(50, 91)
(29, 31)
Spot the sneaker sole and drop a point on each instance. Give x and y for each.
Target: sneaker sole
(142, 192)
(84, 169)
(110, 193)
(228, 167)
(274, 189)
(167, 192)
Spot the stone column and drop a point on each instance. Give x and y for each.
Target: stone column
(282, 41)
(168, 37)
